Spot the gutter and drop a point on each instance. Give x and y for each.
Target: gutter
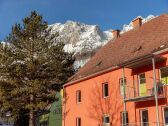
(91, 76)
(135, 60)
(105, 71)
(161, 51)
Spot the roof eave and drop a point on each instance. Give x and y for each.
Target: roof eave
(118, 66)
(91, 76)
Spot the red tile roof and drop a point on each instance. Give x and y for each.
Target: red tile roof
(133, 44)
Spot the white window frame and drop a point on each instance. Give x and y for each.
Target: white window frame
(139, 81)
(120, 82)
(122, 118)
(104, 93)
(105, 116)
(163, 113)
(78, 100)
(77, 121)
(141, 110)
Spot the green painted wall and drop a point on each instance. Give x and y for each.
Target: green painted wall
(55, 115)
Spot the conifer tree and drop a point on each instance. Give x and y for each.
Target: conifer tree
(30, 63)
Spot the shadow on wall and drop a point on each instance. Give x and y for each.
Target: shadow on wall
(101, 106)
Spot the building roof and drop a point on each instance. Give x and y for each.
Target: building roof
(141, 41)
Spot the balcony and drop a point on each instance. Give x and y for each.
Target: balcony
(145, 93)
(144, 124)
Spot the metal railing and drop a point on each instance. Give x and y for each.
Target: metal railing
(144, 124)
(133, 93)
(137, 124)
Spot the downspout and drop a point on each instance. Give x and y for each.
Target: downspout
(155, 91)
(124, 100)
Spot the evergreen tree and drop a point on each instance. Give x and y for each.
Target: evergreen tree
(30, 63)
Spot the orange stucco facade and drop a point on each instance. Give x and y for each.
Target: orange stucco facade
(93, 105)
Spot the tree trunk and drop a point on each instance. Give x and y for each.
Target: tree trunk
(31, 112)
(31, 118)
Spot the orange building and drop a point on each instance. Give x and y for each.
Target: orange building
(125, 82)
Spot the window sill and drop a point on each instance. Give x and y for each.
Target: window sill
(78, 103)
(105, 97)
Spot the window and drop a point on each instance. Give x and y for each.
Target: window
(142, 79)
(105, 90)
(78, 96)
(164, 75)
(122, 85)
(166, 116)
(78, 121)
(142, 85)
(106, 119)
(144, 118)
(123, 118)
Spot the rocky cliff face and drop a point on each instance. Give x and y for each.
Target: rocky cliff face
(82, 39)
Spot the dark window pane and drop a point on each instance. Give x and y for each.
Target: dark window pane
(166, 115)
(164, 72)
(106, 119)
(105, 90)
(122, 82)
(142, 78)
(144, 118)
(78, 96)
(164, 75)
(123, 118)
(78, 122)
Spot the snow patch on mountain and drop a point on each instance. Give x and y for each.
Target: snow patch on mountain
(81, 39)
(84, 40)
(129, 27)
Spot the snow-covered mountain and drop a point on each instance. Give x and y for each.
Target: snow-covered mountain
(82, 39)
(130, 25)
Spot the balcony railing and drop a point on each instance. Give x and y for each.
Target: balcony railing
(134, 94)
(144, 124)
(137, 124)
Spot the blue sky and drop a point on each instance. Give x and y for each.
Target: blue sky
(108, 14)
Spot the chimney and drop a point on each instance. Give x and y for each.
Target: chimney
(116, 33)
(137, 22)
